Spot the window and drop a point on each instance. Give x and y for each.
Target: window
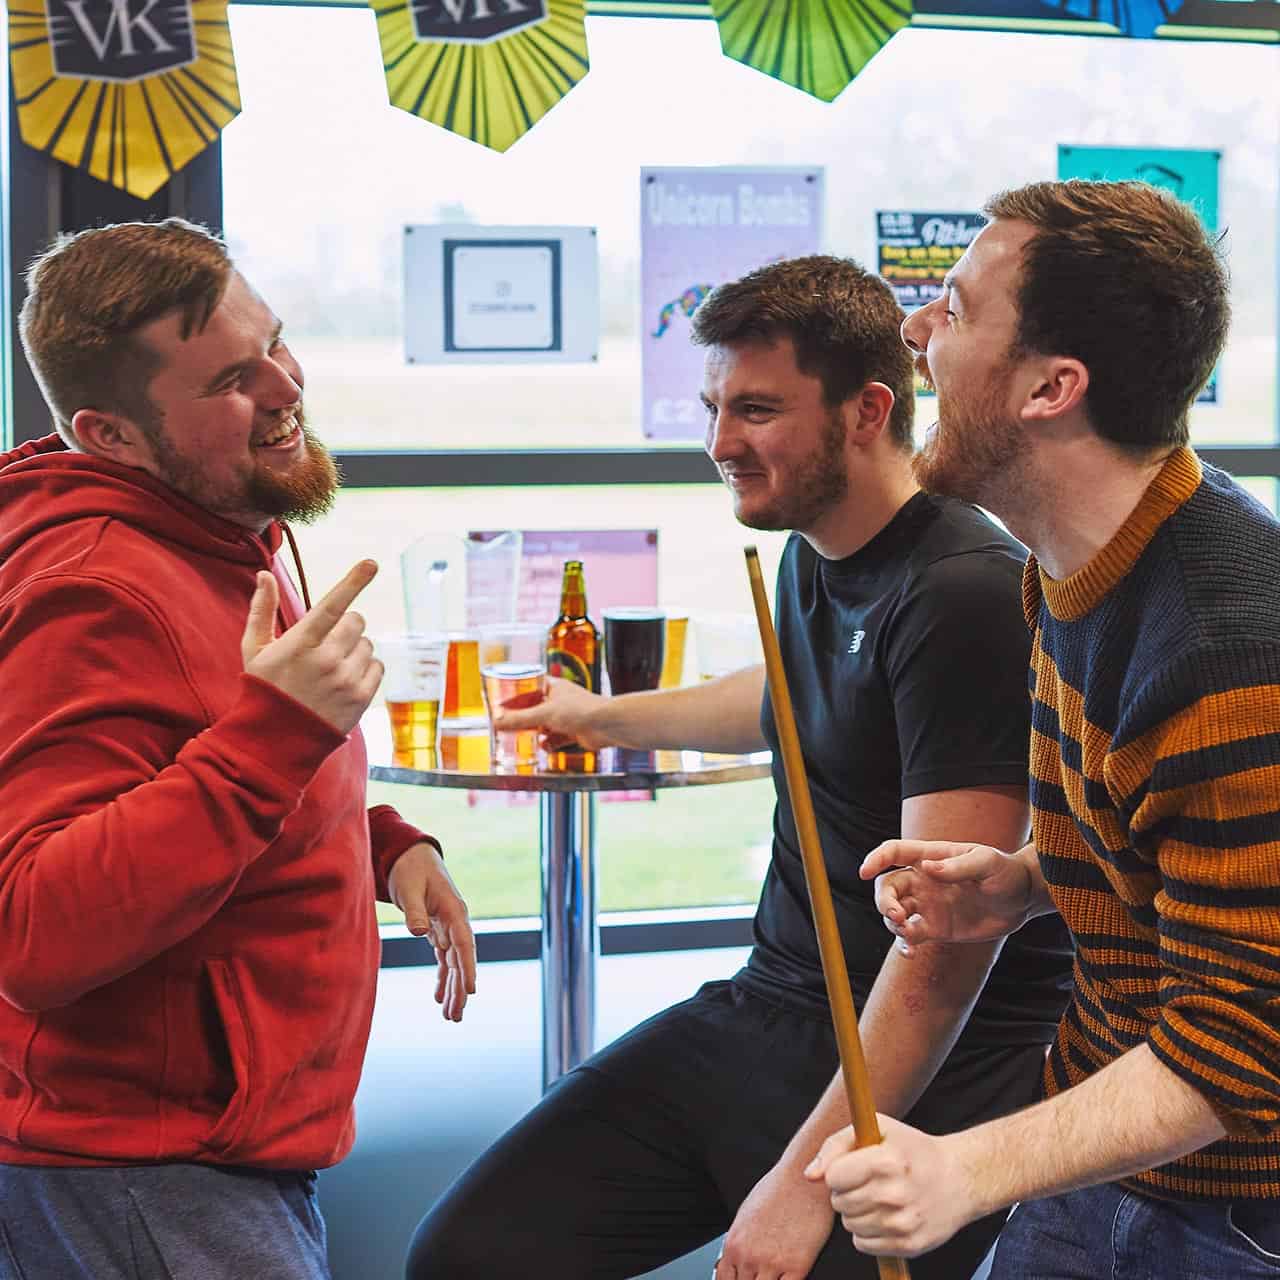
(319, 184)
(493, 847)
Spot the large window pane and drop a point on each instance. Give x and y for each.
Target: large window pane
(321, 175)
(706, 845)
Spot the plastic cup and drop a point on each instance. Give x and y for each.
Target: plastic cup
(513, 671)
(634, 647)
(411, 687)
(726, 642)
(673, 661)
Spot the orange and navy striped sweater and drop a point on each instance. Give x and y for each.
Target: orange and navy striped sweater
(1155, 785)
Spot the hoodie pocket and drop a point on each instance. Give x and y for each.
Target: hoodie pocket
(229, 1002)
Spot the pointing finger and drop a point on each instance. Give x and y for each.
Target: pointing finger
(904, 853)
(329, 611)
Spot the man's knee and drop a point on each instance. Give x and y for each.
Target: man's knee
(456, 1243)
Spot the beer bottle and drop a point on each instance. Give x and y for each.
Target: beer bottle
(573, 643)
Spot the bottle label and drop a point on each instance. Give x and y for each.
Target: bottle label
(568, 666)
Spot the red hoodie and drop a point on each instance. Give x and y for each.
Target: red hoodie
(188, 946)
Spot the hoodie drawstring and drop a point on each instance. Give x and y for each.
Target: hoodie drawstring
(297, 561)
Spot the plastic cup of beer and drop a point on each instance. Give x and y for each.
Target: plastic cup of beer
(726, 642)
(673, 659)
(635, 642)
(411, 688)
(463, 703)
(513, 670)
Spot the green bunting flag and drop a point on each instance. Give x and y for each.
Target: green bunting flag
(815, 45)
(486, 69)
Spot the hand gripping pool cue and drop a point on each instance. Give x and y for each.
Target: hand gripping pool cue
(853, 1066)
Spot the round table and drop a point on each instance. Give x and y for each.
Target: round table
(570, 930)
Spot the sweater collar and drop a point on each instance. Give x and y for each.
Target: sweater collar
(1072, 597)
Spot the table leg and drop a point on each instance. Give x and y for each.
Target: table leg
(570, 930)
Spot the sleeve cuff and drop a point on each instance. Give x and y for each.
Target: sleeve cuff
(273, 732)
(389, 836)
(1238, 1112)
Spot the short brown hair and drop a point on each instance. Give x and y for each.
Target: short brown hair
(843, 322)
(1124, 277)
(89, 294)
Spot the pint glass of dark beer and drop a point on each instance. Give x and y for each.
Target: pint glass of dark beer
(634, 645)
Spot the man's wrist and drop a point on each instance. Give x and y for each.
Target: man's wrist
(972, 1156)
(1038, 902)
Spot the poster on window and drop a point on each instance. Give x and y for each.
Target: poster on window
(914, 251)
(1192, 176)
(700, 227)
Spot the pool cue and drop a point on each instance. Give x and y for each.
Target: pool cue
(853, 1066)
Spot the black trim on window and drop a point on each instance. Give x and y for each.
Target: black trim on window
(519, 940)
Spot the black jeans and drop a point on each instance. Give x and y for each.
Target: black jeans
(646, 1151)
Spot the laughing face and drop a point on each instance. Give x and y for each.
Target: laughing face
(229, 432)
(779, 447)
(964, 346)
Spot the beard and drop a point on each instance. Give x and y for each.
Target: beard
(813, 488)
(303, 492)
(975, 452)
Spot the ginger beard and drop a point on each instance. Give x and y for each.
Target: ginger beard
(974, 452)
(303, 491)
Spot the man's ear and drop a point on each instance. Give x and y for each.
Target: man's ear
(867, 412)
(113, 436)
(1058, 388)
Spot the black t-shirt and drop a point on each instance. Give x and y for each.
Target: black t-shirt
(907, 664)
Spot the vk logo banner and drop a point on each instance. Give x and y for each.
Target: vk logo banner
(120, 39)
(474, 21)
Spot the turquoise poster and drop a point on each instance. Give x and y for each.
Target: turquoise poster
(1190, 175)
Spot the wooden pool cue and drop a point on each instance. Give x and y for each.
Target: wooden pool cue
(853, 1066)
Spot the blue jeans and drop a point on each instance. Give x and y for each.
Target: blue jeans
(1109, 1233)
(159, 1222)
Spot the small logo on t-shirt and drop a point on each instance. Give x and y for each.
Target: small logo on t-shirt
(856, 643)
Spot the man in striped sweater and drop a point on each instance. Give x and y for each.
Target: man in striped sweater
(1066, 350)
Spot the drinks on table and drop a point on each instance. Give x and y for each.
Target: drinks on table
(411, 688)
(573, 643)
(463, 698)
(634, 647)
(513, 670)
(573, 653)
(673, 659)
(466, 751)
(512, 686)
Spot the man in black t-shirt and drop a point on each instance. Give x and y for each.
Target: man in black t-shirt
(899, 618)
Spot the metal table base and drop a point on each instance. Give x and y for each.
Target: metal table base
(570, 930)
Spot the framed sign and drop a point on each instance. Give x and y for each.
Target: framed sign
(486, 295)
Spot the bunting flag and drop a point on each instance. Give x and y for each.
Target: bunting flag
(815, 45)
(486, 69)
(127, 90)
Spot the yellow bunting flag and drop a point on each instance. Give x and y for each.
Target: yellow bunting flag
(815, 45)
(486, 69)
(127, 90)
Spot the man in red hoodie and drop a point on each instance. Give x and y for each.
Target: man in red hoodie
(188, 947)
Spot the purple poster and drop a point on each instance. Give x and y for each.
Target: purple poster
(698, 228)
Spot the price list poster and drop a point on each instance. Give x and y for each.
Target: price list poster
(914, 251)
(700, 227)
